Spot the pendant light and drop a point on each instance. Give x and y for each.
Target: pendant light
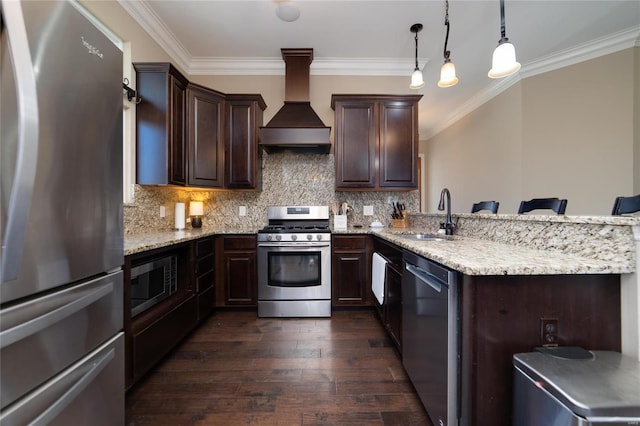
(448, 70)
(504, 57)
(416, 77)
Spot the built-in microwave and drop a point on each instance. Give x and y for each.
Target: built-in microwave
(152, 281)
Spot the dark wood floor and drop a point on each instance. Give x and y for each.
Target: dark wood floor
(237, 369)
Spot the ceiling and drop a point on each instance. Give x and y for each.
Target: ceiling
(353, 37)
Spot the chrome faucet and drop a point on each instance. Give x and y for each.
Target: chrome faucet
(449, 226)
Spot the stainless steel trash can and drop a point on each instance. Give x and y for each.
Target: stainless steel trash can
(569, 386)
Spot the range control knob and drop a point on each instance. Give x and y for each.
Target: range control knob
(269, 237)
(294, 237)
(319, 237)
(278, 237)
(309, 237)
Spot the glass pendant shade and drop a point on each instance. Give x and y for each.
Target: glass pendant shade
(416, 80)
(448, 74)
(504, 60)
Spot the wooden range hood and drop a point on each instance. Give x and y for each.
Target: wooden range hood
(296, 125)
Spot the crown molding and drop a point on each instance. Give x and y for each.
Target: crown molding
(600, 47)
(142, 13)
(319, 66)
(604, 46)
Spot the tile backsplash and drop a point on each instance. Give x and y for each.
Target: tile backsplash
(288, 179)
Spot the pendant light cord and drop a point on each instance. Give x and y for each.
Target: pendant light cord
(503, 31)
(417, 68)
(446, 39)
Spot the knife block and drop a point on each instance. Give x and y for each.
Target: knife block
(400, 223)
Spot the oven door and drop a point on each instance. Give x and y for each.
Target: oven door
(296, 271)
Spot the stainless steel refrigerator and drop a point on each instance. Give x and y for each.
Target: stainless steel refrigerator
(61, 340)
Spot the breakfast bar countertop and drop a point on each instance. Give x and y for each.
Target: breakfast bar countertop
(473, 256)
(507, 244)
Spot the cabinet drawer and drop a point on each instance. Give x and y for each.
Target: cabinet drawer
(153, 343)
(240, 243)
(205, 281)
(341, 242)
(204, 265)
(206, 303)
(204, 247)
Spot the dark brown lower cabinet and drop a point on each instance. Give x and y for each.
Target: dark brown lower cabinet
(236, 265)
(152, 343)
(351, 270)
(150, 335)
(392, 309)
(205, 276)
(500, 316)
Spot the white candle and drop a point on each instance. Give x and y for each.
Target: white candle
(180, 221)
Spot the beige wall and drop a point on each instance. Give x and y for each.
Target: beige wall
(143, 47)
(471, 157)
(566, 133)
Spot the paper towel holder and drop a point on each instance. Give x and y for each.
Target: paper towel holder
(179, 222)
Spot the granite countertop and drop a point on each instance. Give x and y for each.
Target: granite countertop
(137, 243)
(471, 256)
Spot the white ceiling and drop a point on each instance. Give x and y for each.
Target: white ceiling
(356, 37)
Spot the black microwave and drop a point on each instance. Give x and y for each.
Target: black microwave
(152, 281)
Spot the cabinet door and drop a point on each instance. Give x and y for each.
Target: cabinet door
(355, 144)
(177, 144)
(236, 269)
(393, 305)
(206, 137)
(350, 269)
(243, 156)
(240, 278)
(160, 124)
(398, 149)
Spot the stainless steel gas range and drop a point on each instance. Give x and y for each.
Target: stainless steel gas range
(294, 263)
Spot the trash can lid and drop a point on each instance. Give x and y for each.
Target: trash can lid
(604, 385)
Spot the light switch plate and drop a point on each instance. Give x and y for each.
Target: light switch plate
(163, 211)
(242, 211)
(368, 211)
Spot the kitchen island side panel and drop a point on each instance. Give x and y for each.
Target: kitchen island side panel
(500, 316)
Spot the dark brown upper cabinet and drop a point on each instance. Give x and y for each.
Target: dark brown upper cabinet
(160, 125)
(243, 156)
(190, 135)
(205, 114)
(376, 142)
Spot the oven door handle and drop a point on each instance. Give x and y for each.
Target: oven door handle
(299, 246)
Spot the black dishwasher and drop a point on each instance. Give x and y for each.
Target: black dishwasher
(429, 335)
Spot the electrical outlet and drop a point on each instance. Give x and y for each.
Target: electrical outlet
(549, 331)
(367, 211)
(163, 211)
(242, 211)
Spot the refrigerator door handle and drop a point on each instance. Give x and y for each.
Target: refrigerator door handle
(28, 328)
(59, 405)
(27, 149)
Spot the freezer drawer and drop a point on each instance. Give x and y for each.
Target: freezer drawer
(90, 392)
(551, 389)
(43, 336)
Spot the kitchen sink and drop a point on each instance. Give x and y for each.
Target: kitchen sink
(425, 236)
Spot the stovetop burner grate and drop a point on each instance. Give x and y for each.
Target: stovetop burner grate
(296, 228)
